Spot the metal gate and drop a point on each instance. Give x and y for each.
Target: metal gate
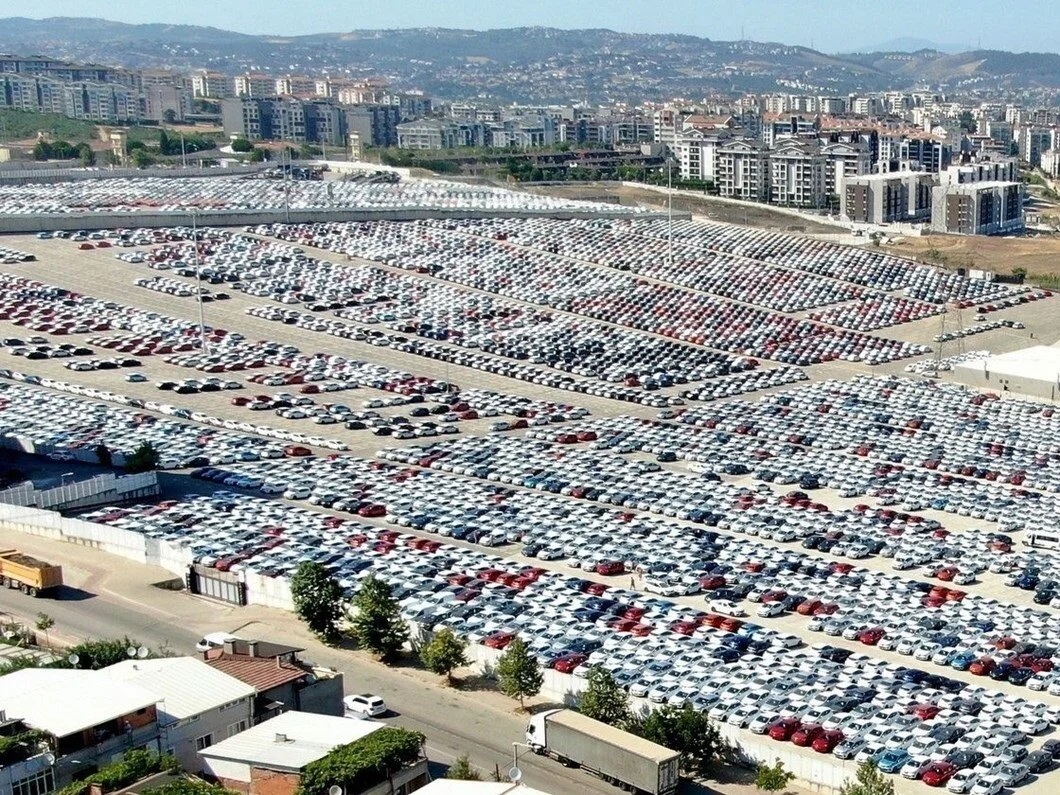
(217, 585)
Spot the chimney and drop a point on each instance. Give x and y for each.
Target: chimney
(252, 648)
(279, 663)
(281, 738)
(230, 647)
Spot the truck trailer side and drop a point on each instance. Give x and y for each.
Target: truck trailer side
(29, 575)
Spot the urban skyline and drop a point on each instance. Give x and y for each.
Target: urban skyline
(812, 23)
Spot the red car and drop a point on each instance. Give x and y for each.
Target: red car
(982, 666)
(806, 735)
(938, 774)
(925, 711)
(296, 450)
(809, 607)
(826, 742)
(610, 567)
(872, 636)
(567, 664)
(712, 582)
(371, 510)
(784, 728)
(499, 640)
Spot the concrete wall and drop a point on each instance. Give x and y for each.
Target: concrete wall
(180, 739)
(40, 176)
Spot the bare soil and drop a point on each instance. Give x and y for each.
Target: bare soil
(1039, 254)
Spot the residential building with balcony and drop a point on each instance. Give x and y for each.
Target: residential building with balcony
(897, 197)
(697, 153)
(844, 160)
(254, 85)
(797, 170)
(198, 705)
(978, 208)
(743, 170)
(211, 85)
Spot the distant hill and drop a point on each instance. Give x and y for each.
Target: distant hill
(534, 65)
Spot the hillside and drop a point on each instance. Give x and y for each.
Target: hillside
(530, 64)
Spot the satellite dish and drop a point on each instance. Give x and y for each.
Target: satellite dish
(73, 659)
(142, 652)
(334, 789)
(515, 774)
(131, 651)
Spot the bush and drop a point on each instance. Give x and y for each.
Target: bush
(19, 747)
(242, 145)
(362, 764)
(132, 767)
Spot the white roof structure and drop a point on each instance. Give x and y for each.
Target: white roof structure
(290, 741)
(62, 701)
(445, 786)
(1037, 363)
(186, 686)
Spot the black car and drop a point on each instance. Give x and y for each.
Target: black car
(1039, 761)
(1052, 747)
(963, 760)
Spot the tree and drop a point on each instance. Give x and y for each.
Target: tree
(141, 158)
(689, 732)
(444, 653)
(241, 145)
(86, 155)
(96, 654)
(377, 624)
(462, 770)
(256, 155)
(169, 116)
(868, 781)
(44, 623)
(143, 459)
(318, 600)
(774, 777)
(604, 700)
(104, 455)
(518, 672)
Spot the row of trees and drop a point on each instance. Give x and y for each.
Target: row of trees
(376, 625)
(64, 150)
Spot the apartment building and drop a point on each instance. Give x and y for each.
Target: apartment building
(926, 152)
(211, 85)
(903, 196)
(743, 170)
(697, 153)
(295, 86)
(1032, 141)
(1051, 162)
(775, 127)
(978, 208)
(994, 170)
(844, 160)
(254, 85)
(665, 124)
(160, 99)
(375, 125)
(797, 171)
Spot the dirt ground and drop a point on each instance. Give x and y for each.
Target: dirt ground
(754, 215)
(1039, 254)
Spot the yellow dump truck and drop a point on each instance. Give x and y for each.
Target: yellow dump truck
(29, 575)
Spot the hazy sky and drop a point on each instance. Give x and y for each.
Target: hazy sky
(827, 25)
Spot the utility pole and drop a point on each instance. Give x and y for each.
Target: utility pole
(183, 152)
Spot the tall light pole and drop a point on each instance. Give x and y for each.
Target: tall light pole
(198, 280)
(669, 212)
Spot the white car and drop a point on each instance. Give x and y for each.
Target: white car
(727, 608)
(988, 785)
(962, 781)
(215, 640)
(364, 705)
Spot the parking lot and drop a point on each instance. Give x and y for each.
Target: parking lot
(710, 475)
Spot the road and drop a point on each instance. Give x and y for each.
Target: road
(107, 601)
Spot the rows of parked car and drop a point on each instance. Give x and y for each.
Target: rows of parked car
(544, 278)
(153, 194)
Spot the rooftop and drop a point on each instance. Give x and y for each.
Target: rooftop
(186, 686)
(1037, 363)
(445, 786)
(262, 673)
(291, 740)
(63, 701)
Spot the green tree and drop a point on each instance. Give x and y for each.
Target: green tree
(169, 116)
(95, 654)
(143, 459)
(141, 158)
(689, 732)
(377, 624)
(256, 155)
(444, 653)
(86, 155)
(868, 781)
(44, 623)
(518, 672)
(364, 763)
(462, 770)
(604, 700)
(106, 458)
(241, 145)
(774, 777)
(318, 600)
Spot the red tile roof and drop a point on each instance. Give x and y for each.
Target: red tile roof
(262, 673)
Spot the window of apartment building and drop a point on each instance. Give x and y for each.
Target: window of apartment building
(39, 783)
(236, 728)
(203, 742)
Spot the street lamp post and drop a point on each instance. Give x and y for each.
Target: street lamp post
(669, 212)
(198, 280)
